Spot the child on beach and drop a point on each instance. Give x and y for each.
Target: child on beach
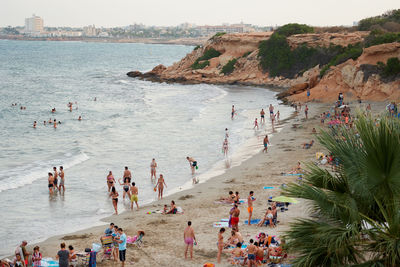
(36, 257)
(255, 124)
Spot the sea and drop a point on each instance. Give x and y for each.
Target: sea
(131, 122)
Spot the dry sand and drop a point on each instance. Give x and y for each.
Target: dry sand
(163, 242)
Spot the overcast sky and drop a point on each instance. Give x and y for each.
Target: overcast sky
(173, 12)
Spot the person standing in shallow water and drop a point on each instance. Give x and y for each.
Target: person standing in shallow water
(114, 197)
(160, 183)
(153, 166)
(56, 178)
(233, 112)
(61, 174)
(127, 174)
(266, 143)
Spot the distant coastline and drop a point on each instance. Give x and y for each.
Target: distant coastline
(175, 41)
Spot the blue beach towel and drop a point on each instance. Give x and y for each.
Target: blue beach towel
(253, 221)
(49, 262)
(268, 187)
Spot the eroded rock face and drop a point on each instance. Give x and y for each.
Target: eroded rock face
(346, 77)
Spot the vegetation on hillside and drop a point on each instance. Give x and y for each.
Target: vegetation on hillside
(229, 67)
(279, 59)
(355, 207)
(390, 21)
(378, 37)
(197, 47)
(294, 28)
(202, 61)
(217, 35)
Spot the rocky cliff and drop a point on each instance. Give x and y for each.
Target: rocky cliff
(349, 77)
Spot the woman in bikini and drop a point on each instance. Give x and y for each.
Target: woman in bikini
(160, 184)
(110, 180)
(153, 166)
(126, 187)
(225, 147)
(114, 197)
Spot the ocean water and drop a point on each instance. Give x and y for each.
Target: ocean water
(131, 122)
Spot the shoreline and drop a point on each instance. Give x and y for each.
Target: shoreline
(176, 41)
(84, 238)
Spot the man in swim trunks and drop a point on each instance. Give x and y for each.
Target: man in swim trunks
(134, 195)
(189, 238)
(262, 113)
(235, 212)
(251, 256)
(127, 174)
(233, 112)
(250, 200)
(55, 178)
(51, 182)
(271, 110)
(62, 178)
(266, 143)
(192, 163)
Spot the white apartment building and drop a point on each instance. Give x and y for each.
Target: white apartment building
(34, 24)
(89, 30)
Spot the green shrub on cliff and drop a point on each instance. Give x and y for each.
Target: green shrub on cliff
(378, 37)
(197, 47)
(200, 65)
(274, 55)
(349, 52)
(229, 67)
(294, 28)
(392, 67)
(208, 54)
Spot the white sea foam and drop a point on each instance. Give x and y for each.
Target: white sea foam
(29, 173)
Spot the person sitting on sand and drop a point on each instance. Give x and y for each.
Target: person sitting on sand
(269, 216)
(173, 209)
(308, 145)
(230, 199)
(235, 238)
(296, 169)
(165, 209)
(238, 255)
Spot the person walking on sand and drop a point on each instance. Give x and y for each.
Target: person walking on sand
(250, 200)
(192, 163)
(51, 182)
(127, 174)
(126, 187)
(134, 195)
(266, 143)
(306, 111)
(255, 124)
(221, 244)
(110, 180)
(153, 166)
(233, 112)
(189, 238)
(160, 183)
(225, 147)
(61, 179)
(262, 114)
(56, 178)
(114, 197)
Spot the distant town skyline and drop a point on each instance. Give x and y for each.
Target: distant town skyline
(105, 13)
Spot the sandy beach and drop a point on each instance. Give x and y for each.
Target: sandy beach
(163, 242)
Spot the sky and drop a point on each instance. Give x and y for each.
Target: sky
(112, 13)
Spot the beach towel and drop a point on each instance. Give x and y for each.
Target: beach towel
(49, 262)
(291, 174)
(221, 224)
(268, 187)
(253, 221)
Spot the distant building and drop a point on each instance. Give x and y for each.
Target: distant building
(234, 28)
(34, 25)
(90, 31)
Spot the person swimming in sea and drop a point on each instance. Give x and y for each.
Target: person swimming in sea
(34, 124)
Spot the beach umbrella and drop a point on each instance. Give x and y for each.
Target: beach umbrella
(285, 199)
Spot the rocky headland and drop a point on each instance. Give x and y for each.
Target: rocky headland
(356, 77)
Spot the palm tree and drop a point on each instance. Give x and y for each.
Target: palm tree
(356, 215)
